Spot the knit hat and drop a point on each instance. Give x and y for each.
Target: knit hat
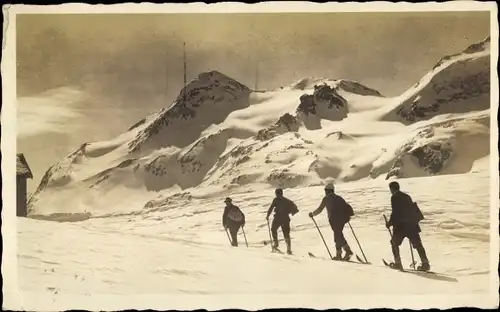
(329, 186)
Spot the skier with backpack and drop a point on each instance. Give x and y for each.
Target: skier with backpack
(233, 218)
(404, 219)
(339, 213)
(282, 207)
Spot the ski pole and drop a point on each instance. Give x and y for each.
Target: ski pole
(413, 263)
(388, 228)
(352, 230)
(244, 235)
(322, 237)
(229, 238)
(411, 247)
(270, 238)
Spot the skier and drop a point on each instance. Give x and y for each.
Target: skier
(339, 213)
(233, 218)
(404, 219)
(283, 207)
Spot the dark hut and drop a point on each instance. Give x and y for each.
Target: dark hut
(23, 172)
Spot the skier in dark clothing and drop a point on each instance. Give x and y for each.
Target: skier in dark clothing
(283, 207)
(339, 213)
(404, 219)
(233, 218)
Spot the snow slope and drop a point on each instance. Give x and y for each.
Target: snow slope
(141, 213)
(181, 249)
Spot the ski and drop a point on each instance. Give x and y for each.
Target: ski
(277, 250)
(361, 261)
(340, 260)
(407, 271)
(427, 274)
(390, 267)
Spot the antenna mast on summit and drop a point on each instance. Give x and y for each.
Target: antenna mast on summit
(256, 75)
(185, 82)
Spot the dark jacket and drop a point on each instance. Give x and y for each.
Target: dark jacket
(233, 216)
(404, 211)
(283, 207)
(339, 211)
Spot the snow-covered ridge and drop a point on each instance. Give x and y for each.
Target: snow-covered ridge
(473, 48)
(458, 83)
(225, 137)
(346, 85)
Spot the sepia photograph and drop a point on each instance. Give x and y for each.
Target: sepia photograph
(250, 156)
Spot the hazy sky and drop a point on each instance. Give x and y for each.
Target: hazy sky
(131, 65)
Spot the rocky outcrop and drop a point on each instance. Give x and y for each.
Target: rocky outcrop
(324, 97)
(284, 178)
(324, 103)
(307, 105)
(443, 147)
(357, 88)
(286, 123)
(431, 158)
(449, 95)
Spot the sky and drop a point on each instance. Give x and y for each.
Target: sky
(91, 76)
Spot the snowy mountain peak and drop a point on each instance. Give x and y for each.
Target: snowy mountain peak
(473, 48)
(458, 83)
(204, 101)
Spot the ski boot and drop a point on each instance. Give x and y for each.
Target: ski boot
(348, 253)
(424, 267)
(338, 256)
(288, 247)
(396, 265)
(423, 257)
(275, 246)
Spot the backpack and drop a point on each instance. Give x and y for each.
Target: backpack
(417, 213)
(292, 207)
(349, 210)
(346, 209)
(235, 214)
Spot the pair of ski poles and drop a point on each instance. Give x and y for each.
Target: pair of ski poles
(270, 237)
(244, 235)
(272, 248)
(354, 234)
(413, 262)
